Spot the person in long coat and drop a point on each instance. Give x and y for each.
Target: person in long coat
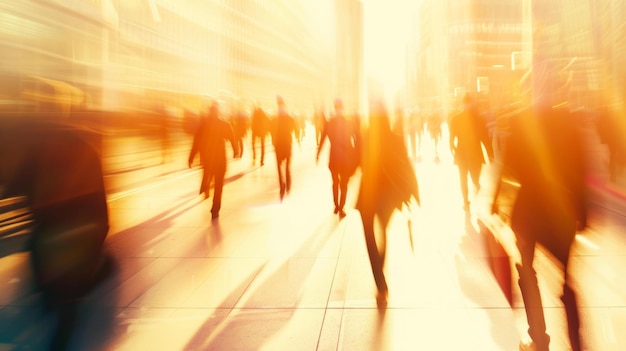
(468, 134)
(344, 158)
(388, 181)
(61, 177)
(210, 141)
(545, 154)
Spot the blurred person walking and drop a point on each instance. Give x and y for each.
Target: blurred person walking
(60, 174)
(283, 132)
(414, 127)
(388, 182)
(260, 127)
(468, 131)
(545, 154)
(434, 128)
(210, 142)
(319, 120)
(240, 129)
(344, 155)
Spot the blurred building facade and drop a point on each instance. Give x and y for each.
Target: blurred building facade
(131, 53)
(510, 50)
(465, 45)
(350, 82)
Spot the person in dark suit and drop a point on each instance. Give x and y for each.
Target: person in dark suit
(468, 131)
(61, 177)
(210, 141)
(283, 132)
(388, 182)
(545, 154)
(344, 158)
(260, 127)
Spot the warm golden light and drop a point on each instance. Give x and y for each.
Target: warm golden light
(386, 32)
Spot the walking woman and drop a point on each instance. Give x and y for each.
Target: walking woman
(388, 181)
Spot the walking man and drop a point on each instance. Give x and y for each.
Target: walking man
(283, 132)
(545, 154)
(259, 125)
(468, 131)
(210, 141)
(344, 157)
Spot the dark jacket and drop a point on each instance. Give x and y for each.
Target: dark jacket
(210, 141)
(469, 130)
(388, 179)
(283, 128)
(62, 178)
(343, 136)
(546, 156)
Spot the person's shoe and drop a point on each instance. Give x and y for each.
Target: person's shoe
(215, 215)
(530, 345)
(381, 299)
(336, 209)
(342, 213)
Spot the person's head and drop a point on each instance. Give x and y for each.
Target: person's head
(214, 109)
(468, 100)
(280, 101)
(378, 116)
(338, 105)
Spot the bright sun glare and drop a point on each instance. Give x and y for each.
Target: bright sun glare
(386, 32)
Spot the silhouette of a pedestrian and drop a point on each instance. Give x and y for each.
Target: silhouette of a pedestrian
(344, 158)
(283, 132)
(210, 142)
(61, 177)
(468, 131)
(388, 182)
(260, 127)
(544, 153)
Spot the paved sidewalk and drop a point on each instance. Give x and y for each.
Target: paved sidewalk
(272, 275)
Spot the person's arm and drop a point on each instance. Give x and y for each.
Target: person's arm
(323, 138)
(452, 126)
(230, 135)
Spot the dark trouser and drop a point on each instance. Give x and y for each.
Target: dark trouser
(557, 237)
(474, 172)
(261, 137)
(340, 188)
(216, 174)
(376, 250)
(283, 163)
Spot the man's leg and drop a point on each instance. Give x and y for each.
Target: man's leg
(262, 137)
(343, 192)
(559, 245)
(204, 183)
(464, 187)
(335, 177)
(281, 183)
(217, 193)
(254, 136)
(474, 172)
(288, 173)
(531, 295)
(373, 252)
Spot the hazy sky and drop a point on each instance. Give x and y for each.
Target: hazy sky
(387, 24)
